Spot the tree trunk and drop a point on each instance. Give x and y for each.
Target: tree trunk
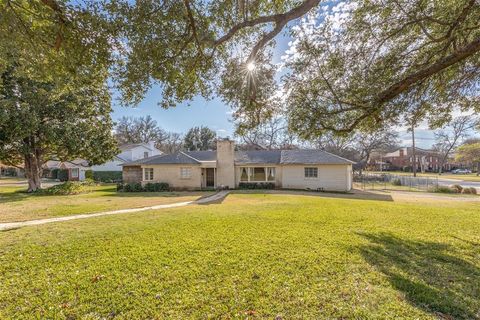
(33, 171)
(478, 168)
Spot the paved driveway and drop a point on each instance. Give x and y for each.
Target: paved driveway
(449, 182)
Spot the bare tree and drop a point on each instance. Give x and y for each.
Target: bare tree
(273, 134)
(173, 143)
(450, 137)
(137, 130)
(367, 143)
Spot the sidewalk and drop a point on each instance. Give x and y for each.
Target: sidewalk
(15, 225)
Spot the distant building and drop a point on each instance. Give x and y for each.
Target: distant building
(402, 159)
(78, 168)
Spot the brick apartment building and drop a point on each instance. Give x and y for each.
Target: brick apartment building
(402, 159)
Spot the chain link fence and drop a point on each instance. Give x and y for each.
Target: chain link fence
(387, 181)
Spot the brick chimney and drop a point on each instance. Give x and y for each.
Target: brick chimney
(401, 152)
(225, 163)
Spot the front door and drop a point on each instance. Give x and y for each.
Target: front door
(210, 177)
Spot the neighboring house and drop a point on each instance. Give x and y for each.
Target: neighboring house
(291, 169)
(9, 171)
(129, 152)
(76, 169)
(402, 159)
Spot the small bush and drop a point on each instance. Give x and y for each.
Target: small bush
(396, 182)
(469, 190)
(444, 189)
(457, 188)
(68, 188)
(89, 174)
(149, 187)
(256, 185)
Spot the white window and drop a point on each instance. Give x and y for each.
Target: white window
(185, 173)
(74, 172)
(257, 174)
(148, 174)
(311, 172)
(145, 154)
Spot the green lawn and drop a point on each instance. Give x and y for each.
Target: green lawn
(17, 205)
(252, 256)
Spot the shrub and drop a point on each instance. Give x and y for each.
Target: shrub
(396, 182)
(149, 187)
(470, 190)
(107, 176)
(89, 174)
(457, 188)
(443, 189)
(69, 187)
(256, 185)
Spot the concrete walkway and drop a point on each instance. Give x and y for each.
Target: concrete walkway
(15, 225)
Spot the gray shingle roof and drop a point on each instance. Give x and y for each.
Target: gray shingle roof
(203, 155)
(311, 157)
(248, 157)
(258, 156)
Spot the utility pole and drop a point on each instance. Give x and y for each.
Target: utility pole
(414, 166)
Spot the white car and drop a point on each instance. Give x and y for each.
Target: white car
(461, 171)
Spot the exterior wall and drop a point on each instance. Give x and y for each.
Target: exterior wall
(225, 163)
(114, 165)
(330, 177)
(132, 174)
(170, 173)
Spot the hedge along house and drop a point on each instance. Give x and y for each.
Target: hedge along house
(227, 168)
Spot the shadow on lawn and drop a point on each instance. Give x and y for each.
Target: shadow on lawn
(13, 196)
(430, 274)
(354, 194)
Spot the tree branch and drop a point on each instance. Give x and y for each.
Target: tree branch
(280, 21)
(403, 85)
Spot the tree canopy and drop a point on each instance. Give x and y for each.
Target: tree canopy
(352, 64)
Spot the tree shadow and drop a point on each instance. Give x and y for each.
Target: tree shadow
(431, 275)
(354, 194)
(14, 196)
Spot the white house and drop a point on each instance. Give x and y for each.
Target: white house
(129, 152)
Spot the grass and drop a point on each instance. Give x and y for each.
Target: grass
(253, 256)
(463, 177)
(17, 205)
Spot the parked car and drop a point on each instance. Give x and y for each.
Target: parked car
(461, 171)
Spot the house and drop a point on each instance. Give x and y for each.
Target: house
(227, 168)
(129, 152)
(11, 171)
(75, 170)
(402, 159)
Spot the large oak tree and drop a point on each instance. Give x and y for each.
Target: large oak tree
(44, 120)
